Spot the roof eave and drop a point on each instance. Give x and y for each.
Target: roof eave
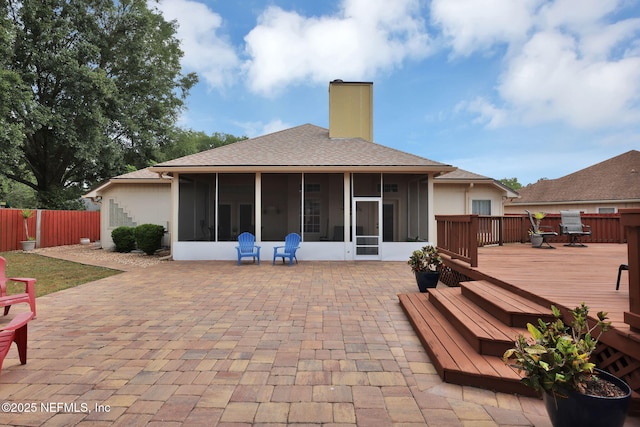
(573, 202)
(423, 169)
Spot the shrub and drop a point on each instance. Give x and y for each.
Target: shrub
(149, 237)
(124, 239)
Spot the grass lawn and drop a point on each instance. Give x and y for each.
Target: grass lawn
(51, 274)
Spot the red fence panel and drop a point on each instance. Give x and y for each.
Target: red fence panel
(50, 227)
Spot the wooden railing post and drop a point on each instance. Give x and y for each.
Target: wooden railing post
(630, 220)
(473, 241)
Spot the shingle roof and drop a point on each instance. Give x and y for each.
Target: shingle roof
(617, 178)
(305, 145)
(139, 174)
(464, 176)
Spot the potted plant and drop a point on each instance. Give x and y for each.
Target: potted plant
(30, 243)
(556, 362)
(534, 235)
(426, 264)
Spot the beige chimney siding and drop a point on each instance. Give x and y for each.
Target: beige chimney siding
(351, 110)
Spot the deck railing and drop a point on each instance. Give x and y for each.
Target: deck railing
(460, 235)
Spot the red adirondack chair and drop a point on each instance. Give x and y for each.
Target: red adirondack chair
(28, 296)
(15, 331)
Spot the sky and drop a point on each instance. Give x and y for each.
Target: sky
(524, 89)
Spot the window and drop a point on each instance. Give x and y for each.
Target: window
(606, 210)
(312, 188)
(389, 188)
(312, 216)
(481, 207)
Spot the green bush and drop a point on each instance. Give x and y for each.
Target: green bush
(124, 239)
(149, 237)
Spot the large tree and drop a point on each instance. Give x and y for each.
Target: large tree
(86, 87)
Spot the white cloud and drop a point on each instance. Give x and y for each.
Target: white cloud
(549, 81)
(253, 129)
(364, 38)
(571, 61)
(477, 25)
(486, 112)
(205, 51)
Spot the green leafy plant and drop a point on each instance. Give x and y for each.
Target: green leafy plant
(124, 239)
(26, 214)
(149, 237)
(425, 259)
(538, 216)
(557, 356)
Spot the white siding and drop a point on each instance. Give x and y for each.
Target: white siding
(134, 204)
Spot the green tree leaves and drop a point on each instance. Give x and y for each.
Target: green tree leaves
(86, 87)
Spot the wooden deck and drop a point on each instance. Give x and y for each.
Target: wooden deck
(515, 284)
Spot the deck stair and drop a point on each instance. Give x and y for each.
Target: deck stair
(466, 329)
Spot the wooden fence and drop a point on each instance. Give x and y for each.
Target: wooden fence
(49, 227)
(460, 235)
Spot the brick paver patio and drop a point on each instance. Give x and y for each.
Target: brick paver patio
(211, 343)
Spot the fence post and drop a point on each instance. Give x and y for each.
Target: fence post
(38, 226)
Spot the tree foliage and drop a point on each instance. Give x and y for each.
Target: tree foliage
(512, 183)
(187, 142)
(86, 87)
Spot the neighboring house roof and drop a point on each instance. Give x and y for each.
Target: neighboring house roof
(461, 176)
(615, 179)
(299, 147)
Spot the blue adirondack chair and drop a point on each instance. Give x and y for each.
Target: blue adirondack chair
(291, 244)
(247, 247)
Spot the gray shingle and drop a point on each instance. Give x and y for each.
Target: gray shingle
(617, 178)
(305, 145)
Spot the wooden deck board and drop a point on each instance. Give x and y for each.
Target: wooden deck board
(478, 326)
(454, 358)
(564, 277)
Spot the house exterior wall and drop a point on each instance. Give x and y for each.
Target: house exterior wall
(457, 199)
(132, 205)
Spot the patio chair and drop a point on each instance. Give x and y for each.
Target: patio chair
(291, 245)
(622, 267)
(7, 300)
(543, 230)
(15, 331)
(571, 225)
(247, 247)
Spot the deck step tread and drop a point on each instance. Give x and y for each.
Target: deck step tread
(486, 334)
(509, 307)
(453, 357)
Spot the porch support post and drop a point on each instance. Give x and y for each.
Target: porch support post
(347, 214)
(433, 228)
(175, 205)
(258, 207)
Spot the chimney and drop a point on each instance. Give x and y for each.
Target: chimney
(351, 110)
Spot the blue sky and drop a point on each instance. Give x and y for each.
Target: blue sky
(505, 88)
